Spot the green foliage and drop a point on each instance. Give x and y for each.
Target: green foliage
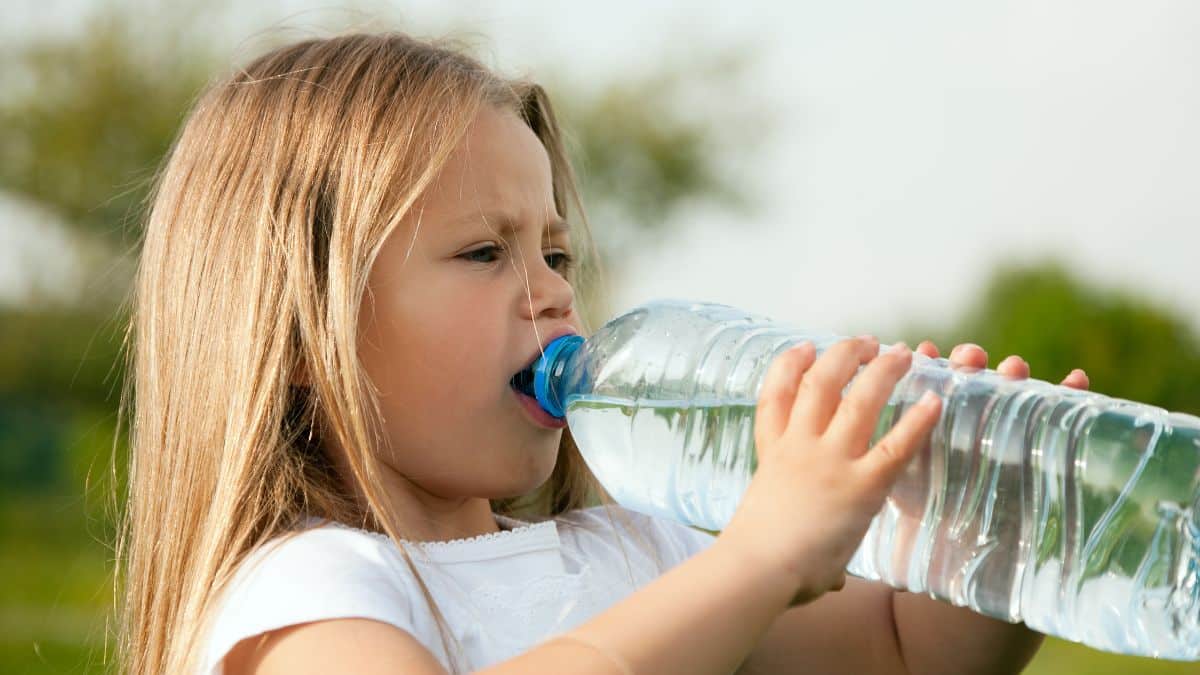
(644, 158)
(1130, 347)
(1060, 657)
(84, 123)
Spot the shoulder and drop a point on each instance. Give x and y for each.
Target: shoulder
(672, 541)
(320, 573)
(328, 560)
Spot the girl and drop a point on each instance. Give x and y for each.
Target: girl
(353, 246)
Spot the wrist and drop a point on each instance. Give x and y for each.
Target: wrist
(782, 582)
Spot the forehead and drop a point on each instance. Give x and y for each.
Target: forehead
(504, 222)
(499, 175)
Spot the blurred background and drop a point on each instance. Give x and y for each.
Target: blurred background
(1019, 175)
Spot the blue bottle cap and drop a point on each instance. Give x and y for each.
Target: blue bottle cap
(549, 400)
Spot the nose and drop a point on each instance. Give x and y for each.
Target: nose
(548, 292)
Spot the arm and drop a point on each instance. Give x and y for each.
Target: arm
(868, 627)
(937, 637)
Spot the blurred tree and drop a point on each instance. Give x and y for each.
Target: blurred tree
(645, 150)
(1130, 347)
(84, 121)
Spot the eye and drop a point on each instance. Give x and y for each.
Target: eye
(486, 249)
(566, 261)
(563, 261)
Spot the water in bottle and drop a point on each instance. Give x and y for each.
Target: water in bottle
(1074, 512)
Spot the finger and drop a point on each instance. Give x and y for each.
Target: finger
(1077, 379)
(928, 349)
(778, 392)
(821, 388)
(968, 355)
(884, 462)
(1014, 366)
(856, 418)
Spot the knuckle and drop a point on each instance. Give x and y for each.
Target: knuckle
(858, 408)
(843, 348)
(783, 371)
(771, 401)
(887, 448)
(815, 382)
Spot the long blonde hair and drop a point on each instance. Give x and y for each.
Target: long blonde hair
(265, 218)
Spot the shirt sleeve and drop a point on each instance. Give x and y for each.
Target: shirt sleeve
(317, 574)
(680, 541)
(674, 541)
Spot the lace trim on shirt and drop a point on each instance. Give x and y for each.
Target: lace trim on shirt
(521, 527)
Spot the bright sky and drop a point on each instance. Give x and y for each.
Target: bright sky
(917, 146)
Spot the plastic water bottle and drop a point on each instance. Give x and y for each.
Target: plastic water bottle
(1076, 513)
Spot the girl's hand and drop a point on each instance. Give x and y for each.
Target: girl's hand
(970, 355)
(908, 496)
(818, 485)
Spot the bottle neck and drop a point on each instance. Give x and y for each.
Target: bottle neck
(551, 375)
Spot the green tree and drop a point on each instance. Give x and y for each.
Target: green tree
(1130, 346)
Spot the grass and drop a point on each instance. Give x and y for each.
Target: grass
(57, 590)
(1059, 657)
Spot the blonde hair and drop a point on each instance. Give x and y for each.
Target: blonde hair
(264, 221)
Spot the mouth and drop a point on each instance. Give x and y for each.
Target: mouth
(522, 382)
(522, 386)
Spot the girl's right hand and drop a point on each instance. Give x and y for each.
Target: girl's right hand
(817, 485)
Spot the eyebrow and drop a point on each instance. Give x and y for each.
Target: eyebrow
(504, 222)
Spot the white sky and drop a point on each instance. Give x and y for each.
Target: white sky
(918, 144)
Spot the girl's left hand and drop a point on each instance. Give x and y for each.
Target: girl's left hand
(909, 496)
(971, 355)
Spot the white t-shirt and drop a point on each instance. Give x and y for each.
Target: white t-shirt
(501, 593)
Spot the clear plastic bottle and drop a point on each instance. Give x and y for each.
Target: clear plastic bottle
(1074, 512)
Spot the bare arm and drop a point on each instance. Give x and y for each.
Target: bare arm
(870, 628)
(937, 637)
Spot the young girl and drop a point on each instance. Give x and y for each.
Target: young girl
(353, 246)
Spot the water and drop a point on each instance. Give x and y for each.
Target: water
(1073, 512)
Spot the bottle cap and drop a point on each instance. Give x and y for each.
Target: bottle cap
(549, 365)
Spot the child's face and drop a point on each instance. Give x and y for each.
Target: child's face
(447, 321)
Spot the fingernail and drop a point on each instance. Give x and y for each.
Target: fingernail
(928, 399)
(898, 348)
